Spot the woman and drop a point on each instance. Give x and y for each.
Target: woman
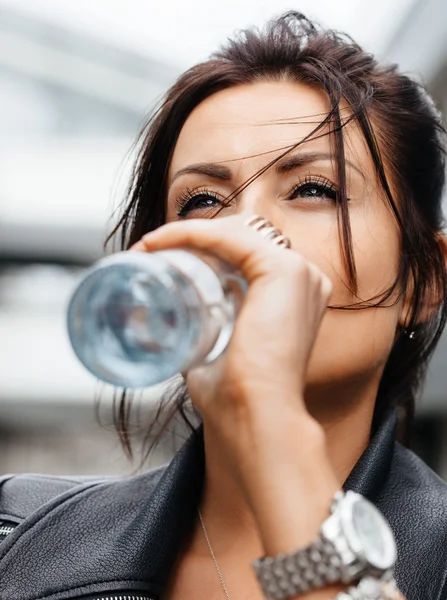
(298, 126)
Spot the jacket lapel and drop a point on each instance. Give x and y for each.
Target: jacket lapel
(371, 471)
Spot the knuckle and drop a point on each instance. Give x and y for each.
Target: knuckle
(297, 265)
(309, 272)
(326, 285)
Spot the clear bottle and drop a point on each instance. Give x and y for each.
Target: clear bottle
(137, 319)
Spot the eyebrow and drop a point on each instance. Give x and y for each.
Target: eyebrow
(284, 165)
(209, 169)
(300, 159)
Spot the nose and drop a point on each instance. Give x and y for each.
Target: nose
(250, 204)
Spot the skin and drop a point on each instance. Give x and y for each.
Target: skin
(287, 409)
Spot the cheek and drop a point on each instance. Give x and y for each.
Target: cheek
(376, 248)
(375, 244)
(353, 343)
(352, 346)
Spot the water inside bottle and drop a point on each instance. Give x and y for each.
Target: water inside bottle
(134, 327)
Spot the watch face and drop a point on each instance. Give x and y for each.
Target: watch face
(373, 534)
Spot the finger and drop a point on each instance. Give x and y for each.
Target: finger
(322, 280)
(229, 239)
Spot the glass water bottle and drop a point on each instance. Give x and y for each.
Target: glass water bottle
(137, 319)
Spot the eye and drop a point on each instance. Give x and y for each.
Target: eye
(315, 188)
(190, 200)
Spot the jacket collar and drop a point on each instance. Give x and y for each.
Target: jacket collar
(371, 470)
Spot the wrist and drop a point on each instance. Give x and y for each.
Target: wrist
(289, 513)
(280, 443)
(271, 426)
(286, 477)
(355, 545)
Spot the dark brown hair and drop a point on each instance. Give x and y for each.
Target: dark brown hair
(405, 138)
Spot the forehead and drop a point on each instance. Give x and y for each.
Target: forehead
(246, 121)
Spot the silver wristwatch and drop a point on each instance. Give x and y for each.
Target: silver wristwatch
(354, 541)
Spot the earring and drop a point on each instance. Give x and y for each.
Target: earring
(410, 334)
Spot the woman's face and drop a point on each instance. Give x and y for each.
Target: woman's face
(231, 136)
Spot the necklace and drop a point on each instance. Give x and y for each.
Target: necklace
(216, 564)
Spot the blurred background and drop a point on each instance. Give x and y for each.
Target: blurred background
(77, 79)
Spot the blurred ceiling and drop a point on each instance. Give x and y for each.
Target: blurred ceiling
(182, 33)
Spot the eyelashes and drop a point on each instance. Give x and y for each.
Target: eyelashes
(311, 189)
(311, 185)
(189, 199)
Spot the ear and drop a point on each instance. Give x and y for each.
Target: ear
(435, 294)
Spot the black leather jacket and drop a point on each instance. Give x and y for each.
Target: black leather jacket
(118, 538)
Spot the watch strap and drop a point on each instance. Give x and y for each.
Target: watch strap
(371, 588)
(287, 575)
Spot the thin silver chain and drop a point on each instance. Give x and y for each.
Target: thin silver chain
(216, 564)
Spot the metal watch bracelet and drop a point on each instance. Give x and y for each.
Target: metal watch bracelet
(370, 588)
(288, 575)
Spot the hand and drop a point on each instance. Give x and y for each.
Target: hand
(264, 367)
(251, 398)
